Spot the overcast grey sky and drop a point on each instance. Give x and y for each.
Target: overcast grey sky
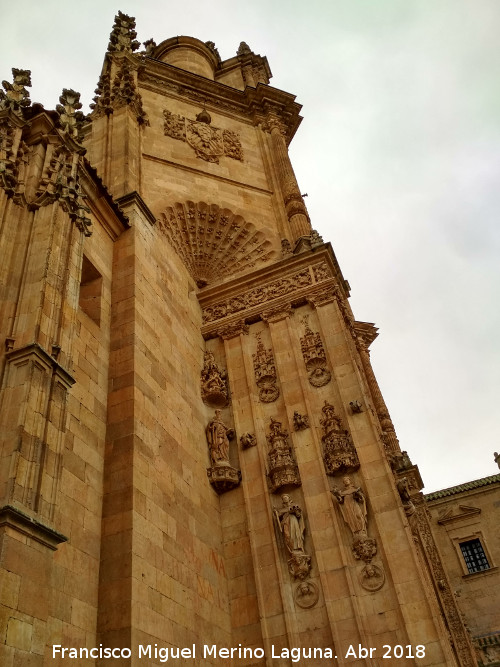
(399, 152)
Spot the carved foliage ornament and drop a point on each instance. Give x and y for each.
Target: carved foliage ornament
(213, 242)
(209, 143)
(70, 116)
(265, 373)
(282, 469)
(339, 453)
(123, 35)
(314, 356)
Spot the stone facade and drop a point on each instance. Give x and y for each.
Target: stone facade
(174, 330)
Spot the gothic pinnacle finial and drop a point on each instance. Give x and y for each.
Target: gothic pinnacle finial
(123, 35)
(243, 49)
(70, 117)
(16, 96)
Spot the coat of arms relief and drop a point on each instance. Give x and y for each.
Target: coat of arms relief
(209, 143)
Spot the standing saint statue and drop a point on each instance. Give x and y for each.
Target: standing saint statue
(218, 437)
(291, 524)
(353, 507)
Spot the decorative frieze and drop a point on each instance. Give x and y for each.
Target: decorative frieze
(258, 295)
(208, 142)
(282, 469)
(291, 524)
(265, 373)
(339, 453)
(221, 474)
(314, 356)
(214, 390)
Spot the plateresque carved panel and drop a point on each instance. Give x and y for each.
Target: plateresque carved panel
(339, 453)
(314, 356)
(283, 470)
(265, 373)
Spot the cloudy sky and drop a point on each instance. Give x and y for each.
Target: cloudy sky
(399, 152)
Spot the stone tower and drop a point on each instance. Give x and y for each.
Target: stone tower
(196, 456)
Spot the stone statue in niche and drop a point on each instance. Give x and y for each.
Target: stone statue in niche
(352, 503)
(282, 469)
(218, 436)
(339, 454)
(300, 422)
(292, 527)
(221, 474)
(314, 356)
(214, 390)
(352, 506)
(306, 594)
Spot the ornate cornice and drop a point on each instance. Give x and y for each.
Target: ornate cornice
(272, 291)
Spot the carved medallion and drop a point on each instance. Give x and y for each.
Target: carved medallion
(265, 372)
(314, 356)
(339, 453)
(372, 577)
(306, 594)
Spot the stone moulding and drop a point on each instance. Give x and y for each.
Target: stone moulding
(12, 517)
(213, 242)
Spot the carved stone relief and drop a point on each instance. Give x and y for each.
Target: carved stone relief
(283, 470)
(221, 474)
(265, 373)
(339, 453)
(16, 96)
(213, 243)
(352, 504)
(300, 422)
(291, 524)
(123, 35)
(314, 356)
(209, 143)
(306, 594)
(214, 390)
(258, 295)
(372, 577)
(248, 440)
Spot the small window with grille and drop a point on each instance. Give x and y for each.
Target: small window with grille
(474, 556)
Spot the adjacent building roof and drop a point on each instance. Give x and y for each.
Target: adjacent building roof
(466, 486)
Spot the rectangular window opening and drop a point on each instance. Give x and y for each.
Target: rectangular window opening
(474, 556)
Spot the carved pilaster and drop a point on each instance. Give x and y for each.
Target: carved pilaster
(461, 641)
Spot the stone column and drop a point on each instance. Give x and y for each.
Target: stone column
(294, 204)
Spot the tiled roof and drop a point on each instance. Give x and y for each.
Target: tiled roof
(467, 486)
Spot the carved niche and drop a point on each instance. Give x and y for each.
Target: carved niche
(339, 453)
(214, 391)
(213, 242)
(291, 524)
(283, 470)
(221, 474)
(265, 373)
(314, 356)
(209, 143)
